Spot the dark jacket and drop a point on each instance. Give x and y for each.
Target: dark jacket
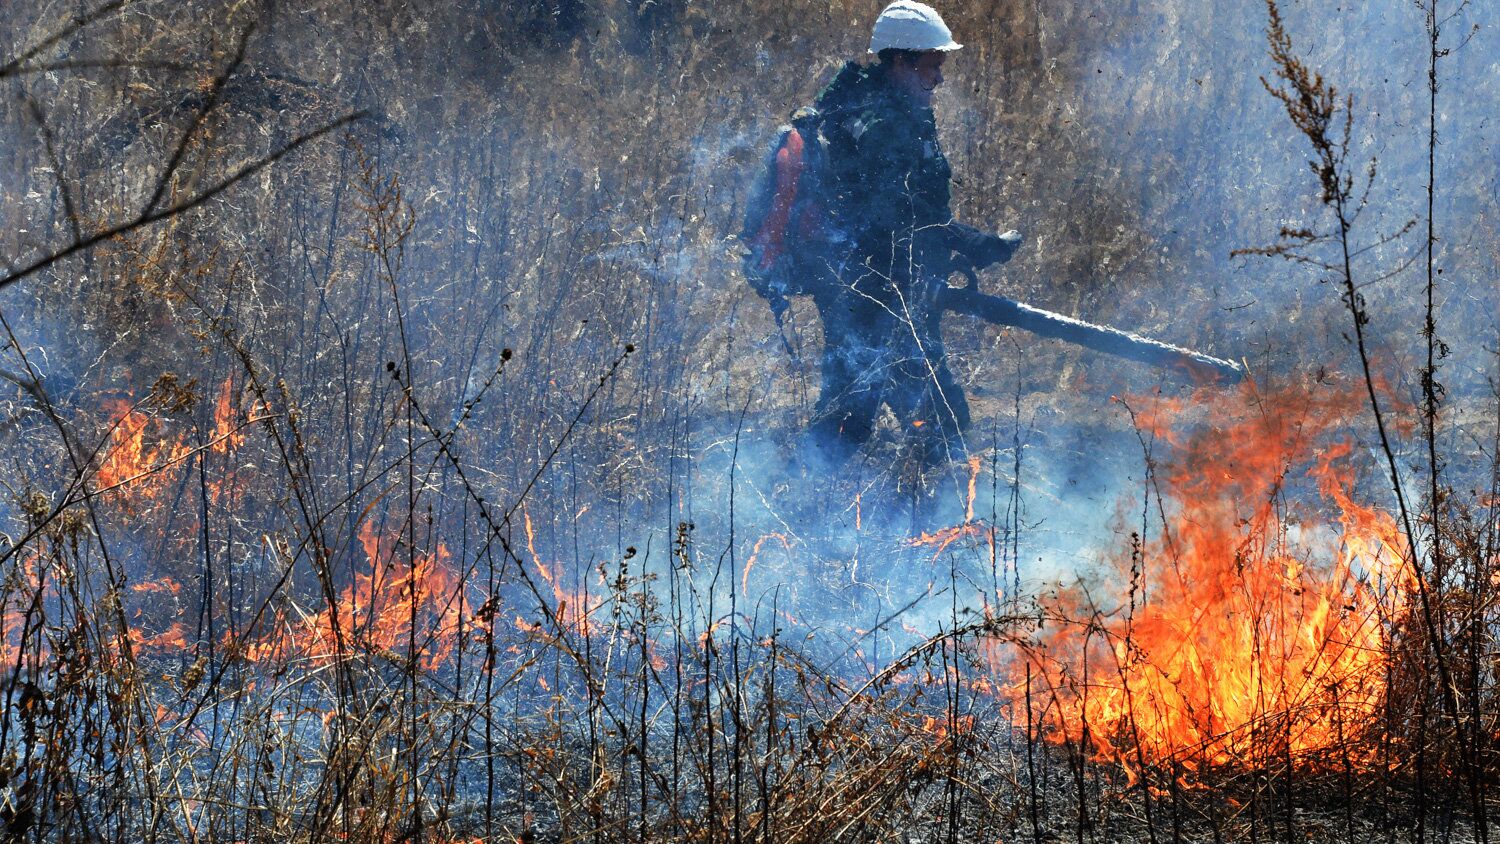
(887, 180)
(885, 190)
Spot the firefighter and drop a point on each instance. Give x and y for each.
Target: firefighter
(892, 242)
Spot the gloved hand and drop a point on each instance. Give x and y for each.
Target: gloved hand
(1004, 246)
(982, 248)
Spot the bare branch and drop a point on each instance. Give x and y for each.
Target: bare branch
(215, 96)
(146, 219)
(98, 64)
(50, 142)
(13, 66)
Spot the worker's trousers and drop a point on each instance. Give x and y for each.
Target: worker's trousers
(885, 354)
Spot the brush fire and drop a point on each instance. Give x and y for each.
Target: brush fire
(616, 422)
(1256, 625)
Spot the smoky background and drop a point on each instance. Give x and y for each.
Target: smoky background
(563, 180)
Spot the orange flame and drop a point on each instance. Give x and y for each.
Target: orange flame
(135, 460)
(174, 638)
(939, 540)
(974, 464)
(375, 613)
(165, 585)
(1254, 623)
(228, 436)
(29, 587)
(755, 555)
(971, 527)
(939, 728)
(572, 610)
(138, 454)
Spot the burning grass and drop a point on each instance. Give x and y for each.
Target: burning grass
(1262, 625)
(1258, 622)
(386, 582)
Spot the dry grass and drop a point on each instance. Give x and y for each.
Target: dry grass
(424, 485)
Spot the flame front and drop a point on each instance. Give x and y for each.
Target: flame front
(134, 461)
(1255, 625)
(405, 607)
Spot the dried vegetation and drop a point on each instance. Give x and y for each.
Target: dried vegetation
(387, 447)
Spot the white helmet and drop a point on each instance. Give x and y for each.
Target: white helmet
(909, 25)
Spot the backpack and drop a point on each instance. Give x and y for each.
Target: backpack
(787, 226)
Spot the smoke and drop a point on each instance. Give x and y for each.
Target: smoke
(574, 173)
(450, 438)
(1217, 168)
